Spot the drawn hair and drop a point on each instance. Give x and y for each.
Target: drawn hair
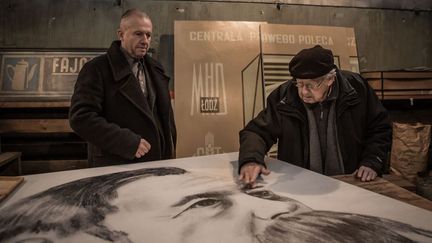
(80, 205)
(330, 226)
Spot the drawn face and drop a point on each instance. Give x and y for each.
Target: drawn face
(135, 35)
(189, 208)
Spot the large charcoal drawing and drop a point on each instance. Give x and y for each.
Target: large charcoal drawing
(172, 204)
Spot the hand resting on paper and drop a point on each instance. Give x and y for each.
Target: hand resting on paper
(250, 172)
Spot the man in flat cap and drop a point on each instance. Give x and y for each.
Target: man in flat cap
(326, 120)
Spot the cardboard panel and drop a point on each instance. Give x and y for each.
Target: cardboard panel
(224, 70)
(209, 59)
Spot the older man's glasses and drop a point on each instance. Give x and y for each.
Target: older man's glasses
(309, 86)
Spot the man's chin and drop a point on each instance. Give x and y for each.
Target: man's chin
(309, 100)
(140, 54)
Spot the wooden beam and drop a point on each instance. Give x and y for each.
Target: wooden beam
(44, 166)
(38, 104)
(408, 75)
(34, 126)
(8, 184)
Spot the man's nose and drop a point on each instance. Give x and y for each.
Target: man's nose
(145, 39)
(304, 90)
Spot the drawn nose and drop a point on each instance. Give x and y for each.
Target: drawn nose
(275, 210)
(262, 220)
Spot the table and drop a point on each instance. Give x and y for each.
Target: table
(386, 188)
(159, 201)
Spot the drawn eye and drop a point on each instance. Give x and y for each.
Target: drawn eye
(206, 203)
(209, 207)
(264, 194)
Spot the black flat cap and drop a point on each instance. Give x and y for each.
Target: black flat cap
(311, 63)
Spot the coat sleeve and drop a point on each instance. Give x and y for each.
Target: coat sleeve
(87, 120)
(378, 133)
(261, 133)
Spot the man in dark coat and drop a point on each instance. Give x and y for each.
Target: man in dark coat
(121, 103)
(326, 120)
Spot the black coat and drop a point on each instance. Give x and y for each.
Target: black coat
(108, 110)
(363, 127)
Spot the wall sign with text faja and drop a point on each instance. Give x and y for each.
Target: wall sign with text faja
(37, 75)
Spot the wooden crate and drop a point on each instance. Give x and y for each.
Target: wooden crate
(41, 132)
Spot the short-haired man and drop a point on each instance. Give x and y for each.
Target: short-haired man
(121, 103)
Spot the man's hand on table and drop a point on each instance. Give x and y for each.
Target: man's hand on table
(365, 173)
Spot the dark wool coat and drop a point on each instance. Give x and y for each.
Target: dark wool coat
(363, 127)
(109, 110)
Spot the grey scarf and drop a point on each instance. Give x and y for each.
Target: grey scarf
(332, 165)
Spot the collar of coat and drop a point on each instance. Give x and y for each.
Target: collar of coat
(120, 65)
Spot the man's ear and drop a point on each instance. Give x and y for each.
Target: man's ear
(120, 34)
(331, 80)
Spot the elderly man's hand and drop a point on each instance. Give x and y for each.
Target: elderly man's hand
(365, 173)
(250, 171)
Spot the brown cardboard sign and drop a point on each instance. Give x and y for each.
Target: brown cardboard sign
(224, 70)
(209, 57)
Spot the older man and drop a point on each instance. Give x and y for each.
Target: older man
(121, 102)
(326, 120)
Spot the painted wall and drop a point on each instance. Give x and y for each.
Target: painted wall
(390, 34)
